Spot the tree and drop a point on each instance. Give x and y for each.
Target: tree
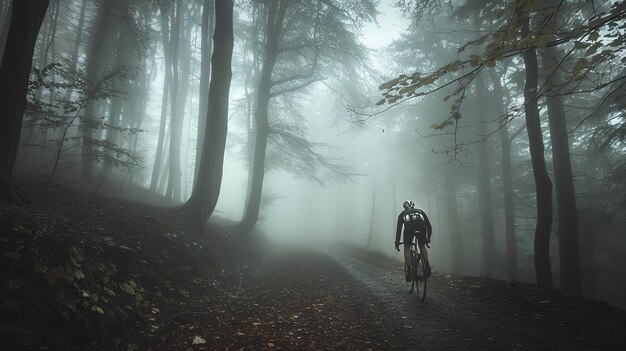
(274, 25)
(95, 67)
(295, 52)
(5, 15)
(17, 59)
(455, 230)
(507, 177)
(543, 183)
(567, 216)
(372, 215)
(158, 158)
(484, 187)
(206, 188)
(180, 54)
(207, 32)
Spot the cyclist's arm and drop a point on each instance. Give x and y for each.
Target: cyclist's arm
(398, 229)
(430, 228)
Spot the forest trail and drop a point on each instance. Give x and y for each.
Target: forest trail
(460, 317)
(352, 299)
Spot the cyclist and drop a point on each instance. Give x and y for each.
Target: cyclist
(416, 223)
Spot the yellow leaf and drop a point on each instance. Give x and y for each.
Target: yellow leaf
(198, 340)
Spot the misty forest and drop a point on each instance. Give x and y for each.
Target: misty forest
(218, 174)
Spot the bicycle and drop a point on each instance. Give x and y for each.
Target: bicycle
(418, 274)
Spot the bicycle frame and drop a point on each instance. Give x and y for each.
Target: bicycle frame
(418, 279)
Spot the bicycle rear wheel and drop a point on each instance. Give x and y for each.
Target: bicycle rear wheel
(409, 284)
(420, 278)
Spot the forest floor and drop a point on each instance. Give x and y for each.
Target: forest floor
(79, 271)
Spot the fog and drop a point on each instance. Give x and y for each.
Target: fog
(119, 92)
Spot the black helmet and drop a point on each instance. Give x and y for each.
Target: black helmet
(408, 204)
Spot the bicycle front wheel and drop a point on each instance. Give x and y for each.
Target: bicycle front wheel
(420, 278)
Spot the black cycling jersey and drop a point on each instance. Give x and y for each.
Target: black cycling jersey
(414, 220)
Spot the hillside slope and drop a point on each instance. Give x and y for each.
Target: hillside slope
(82, 271)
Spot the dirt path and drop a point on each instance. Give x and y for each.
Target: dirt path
(356, 300)
(453, 319)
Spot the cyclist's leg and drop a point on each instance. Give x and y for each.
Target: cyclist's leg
(421, 241)
(424, 254)
(423, 251)
(408, 239)
(407, 255)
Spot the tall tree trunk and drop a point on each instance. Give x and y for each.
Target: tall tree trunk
(115, 112)
(252, 77)
(46, 55)
(168, 89)
(164, 174)
(158, 158)
(48, 43)
(276, 15)
(17, 61)
(94, 62)
(173, 68)
(6, 20)
(134, 108)
(177, 96)
(454, 227)
(507, 181)
(76, 49)
(72, 68)
(543, 184)
(372, 213)
(210, 166)
(62, 132)
(567, 216)
(394, 201)
(205, 71)
(176, 138)
(484, 189)
(485, 207)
